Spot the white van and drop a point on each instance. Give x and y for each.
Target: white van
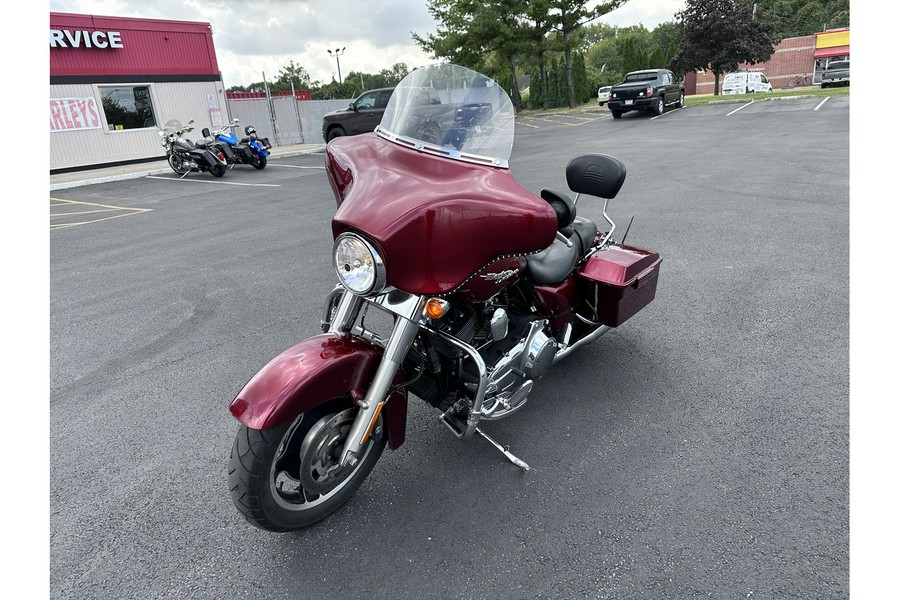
(745, 82)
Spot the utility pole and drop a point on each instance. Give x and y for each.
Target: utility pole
(338, 52)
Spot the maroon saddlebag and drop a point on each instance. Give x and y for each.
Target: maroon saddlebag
(618, 281)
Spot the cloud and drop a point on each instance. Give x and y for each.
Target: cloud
(256, 36)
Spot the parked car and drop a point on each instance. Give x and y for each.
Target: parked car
(836, 73)
(649, 90)
(361, 116)
(603, 95)
(745, 82)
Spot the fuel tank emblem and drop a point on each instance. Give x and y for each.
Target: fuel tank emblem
(501, 276)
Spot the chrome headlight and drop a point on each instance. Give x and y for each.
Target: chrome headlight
(359, 267)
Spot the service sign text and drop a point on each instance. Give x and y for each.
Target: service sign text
(63, 38)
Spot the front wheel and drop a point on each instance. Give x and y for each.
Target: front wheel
(289, 477)
(680, 103)
(258, 162)
(334, 132)
(177, 162)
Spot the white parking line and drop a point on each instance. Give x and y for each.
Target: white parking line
(668, 113)
(739, 108)
(295, 167)
(215, 182)
(821, 103)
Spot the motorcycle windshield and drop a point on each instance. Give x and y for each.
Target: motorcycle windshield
(172, 126)
(432, 188)
(451, 111)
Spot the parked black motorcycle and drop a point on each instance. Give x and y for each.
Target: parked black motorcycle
(185, 156)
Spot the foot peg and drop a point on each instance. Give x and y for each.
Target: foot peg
(505, 450)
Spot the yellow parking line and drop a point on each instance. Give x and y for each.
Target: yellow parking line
(81, 212)
(103, 208)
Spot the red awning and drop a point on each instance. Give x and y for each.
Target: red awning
(833, 51)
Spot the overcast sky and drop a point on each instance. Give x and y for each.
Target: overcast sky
(256, 36)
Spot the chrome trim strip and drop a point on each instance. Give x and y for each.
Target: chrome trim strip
(436, 150)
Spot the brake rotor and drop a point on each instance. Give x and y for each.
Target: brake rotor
(320, 453)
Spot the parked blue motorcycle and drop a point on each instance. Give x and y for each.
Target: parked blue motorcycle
(249, 150)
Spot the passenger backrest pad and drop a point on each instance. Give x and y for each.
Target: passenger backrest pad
(595, 174)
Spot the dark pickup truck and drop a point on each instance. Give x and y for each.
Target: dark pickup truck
(836, 73)
(650, 90)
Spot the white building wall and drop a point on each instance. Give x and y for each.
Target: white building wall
(183, 101)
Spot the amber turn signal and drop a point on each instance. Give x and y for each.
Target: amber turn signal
(435, 308)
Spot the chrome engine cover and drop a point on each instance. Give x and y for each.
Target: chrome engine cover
(511, 378)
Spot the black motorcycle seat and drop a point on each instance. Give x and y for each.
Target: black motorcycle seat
(553, 264)
(586, 231)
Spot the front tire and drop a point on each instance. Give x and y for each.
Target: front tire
(259, 162)
(288, 477)
(334, 132)
(680, 103)
(176, 161)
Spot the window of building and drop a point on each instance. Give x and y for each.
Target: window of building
(127, 107)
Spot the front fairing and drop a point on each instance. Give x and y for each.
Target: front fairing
(437, 221)
(431, 186)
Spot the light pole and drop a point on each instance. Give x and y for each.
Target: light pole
(338, 52)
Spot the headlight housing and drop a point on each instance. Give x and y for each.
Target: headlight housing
(358, 266)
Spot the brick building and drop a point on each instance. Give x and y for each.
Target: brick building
(793, 58)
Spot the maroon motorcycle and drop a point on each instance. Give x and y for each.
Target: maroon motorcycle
(457, 286)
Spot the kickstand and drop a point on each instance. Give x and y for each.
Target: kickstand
(505, 450)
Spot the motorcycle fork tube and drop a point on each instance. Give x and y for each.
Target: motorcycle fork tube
(346, 312)
(402, 337)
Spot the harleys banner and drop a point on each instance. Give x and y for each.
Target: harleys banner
(67, 114)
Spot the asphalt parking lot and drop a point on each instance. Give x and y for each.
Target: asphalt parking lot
(698, 451)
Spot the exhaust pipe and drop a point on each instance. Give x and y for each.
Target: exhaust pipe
(592, 337)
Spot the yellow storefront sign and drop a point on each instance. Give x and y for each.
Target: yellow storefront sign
(832, 39)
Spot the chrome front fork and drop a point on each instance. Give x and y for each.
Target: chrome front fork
(406, 327)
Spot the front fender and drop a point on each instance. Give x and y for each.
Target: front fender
(311, 373)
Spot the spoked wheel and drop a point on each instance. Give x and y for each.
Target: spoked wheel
(680, 103)
(176, 161)
(258, 162)
(289, 477)
(660, 106)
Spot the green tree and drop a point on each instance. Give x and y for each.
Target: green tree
(721, 34)
(794, 18)
(537, 15)
(569, 16)
(470, 30)
(290, 74)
